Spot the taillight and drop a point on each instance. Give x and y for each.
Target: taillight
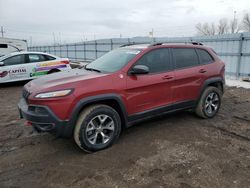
(65, 62)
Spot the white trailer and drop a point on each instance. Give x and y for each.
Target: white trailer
(8, 45)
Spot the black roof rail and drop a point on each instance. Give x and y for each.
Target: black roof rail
(196, 43)
(156, 44)
(160, 43)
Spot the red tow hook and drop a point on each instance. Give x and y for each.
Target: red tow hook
(28, 123)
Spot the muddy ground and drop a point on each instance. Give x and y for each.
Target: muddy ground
(178, 150)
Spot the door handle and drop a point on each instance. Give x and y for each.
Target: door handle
(167, 77)
(202, 71)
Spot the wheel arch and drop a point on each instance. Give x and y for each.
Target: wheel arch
(217, 82)
(112, 100)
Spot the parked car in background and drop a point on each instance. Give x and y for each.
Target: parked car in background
(20, 66)
(124, 86)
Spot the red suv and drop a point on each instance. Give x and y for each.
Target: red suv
(132, 83)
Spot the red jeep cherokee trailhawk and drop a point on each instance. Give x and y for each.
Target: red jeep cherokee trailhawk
(126, 85)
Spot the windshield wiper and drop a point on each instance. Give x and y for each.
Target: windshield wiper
(92, 69)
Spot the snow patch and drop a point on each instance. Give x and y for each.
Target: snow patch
(238, 83)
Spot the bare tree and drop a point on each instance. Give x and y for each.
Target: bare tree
(206, 29)
(234, 26)
(222, 27)
(246, 22)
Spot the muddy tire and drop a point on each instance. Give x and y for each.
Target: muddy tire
(97, 128)
(209, 103)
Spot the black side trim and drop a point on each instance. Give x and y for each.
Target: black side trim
(160, 111)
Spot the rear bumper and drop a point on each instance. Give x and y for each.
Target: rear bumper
(43, 119)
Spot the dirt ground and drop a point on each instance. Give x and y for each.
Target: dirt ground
(178, 150)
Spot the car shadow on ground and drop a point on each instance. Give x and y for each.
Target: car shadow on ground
(140, 129)
(13, 84)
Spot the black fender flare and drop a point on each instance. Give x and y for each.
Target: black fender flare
(211, 81)
(95, 99)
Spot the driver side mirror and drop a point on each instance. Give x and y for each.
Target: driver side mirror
(139, 69)
(1, 63)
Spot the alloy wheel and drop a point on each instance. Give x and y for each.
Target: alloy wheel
(100, 129)
(212, 103)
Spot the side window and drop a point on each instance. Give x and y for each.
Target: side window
(205, 57)
(33, 58)
(156, 60)
(15, 60)
(47, 57)
(42, 57)
(185, 57)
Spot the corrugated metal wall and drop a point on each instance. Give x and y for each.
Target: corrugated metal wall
(234, 49)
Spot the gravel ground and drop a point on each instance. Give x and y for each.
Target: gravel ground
(178, 150)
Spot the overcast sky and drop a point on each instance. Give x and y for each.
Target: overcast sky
(78, 20)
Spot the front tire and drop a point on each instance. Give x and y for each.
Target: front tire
(97, 128)
(209, 103)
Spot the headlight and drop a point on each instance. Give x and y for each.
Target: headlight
(60, 93)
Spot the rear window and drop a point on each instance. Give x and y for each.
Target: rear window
(185, 57)
(205, 57)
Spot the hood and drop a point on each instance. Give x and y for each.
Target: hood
(63, 78)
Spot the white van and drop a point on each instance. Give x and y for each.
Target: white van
(8, 46)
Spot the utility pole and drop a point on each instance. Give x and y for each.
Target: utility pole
(60, 38)
(234, 15)
(151, 33)
(234, 23)
(54, 38)
(2, 31)
(30, 40)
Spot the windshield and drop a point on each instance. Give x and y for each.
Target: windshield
(113, 60)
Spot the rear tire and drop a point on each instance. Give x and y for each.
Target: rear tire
(97, 128)
(209, 103)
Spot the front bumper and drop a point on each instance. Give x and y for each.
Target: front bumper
(43, 119)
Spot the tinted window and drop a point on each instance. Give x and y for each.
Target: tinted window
(47, 57)
(204, 56)
(185, 57)
(33, 58)
(15, 60)
(42, 57)
(157, 60)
